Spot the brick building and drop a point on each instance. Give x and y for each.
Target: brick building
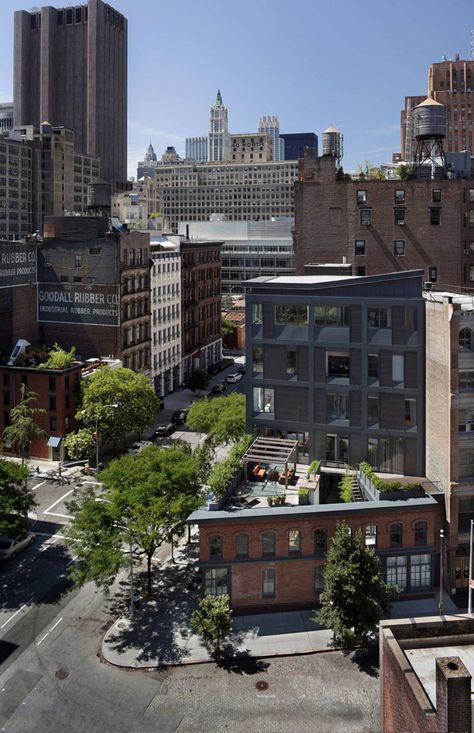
(17, 293)
(385, 226)
(337, 363)
(272, 557)
(201, 342)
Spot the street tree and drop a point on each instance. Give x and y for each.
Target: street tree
(212, 621)
(355, 595)
(222, 418)
(81, 444)
(136, 403)
(148, 498)
(198, 380)
(24, 428)
(15, 499)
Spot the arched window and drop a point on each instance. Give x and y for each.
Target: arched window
(396, 534)
(465, 338)
(268, 583)
(268, 544)
(421, 529)
(241, 546)
(294, 542)
(320, 541)
(370, 535)
(215, 547)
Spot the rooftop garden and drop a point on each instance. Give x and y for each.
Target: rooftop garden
(42, 357)
(386, 487)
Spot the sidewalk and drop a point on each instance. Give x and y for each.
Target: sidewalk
(160, 633)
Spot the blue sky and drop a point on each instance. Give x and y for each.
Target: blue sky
(313, 63)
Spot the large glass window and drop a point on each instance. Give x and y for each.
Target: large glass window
(257, 313)
(318, 579)
(378, 318)
(361, 196)
(215, 547)
(421, 530)
(216, 581)
(337, 406)
(420, 572)
(296, 315)
(331, 315)
(465, 338)
(466, 380)
(466, 465)
(268, 544)
(268, 583)
(320, 541)
(337, 448)
(294, 542)
(372, 411)
(338, 365)
(291, 364)
(373, 366)
(465, 513)
(386, 454)
(398, 368)
(397, 571)
(264, 401)
(257, 361)
(410, 412)
(466, 420)
(396, 534)
(371, 535)
(242, 546)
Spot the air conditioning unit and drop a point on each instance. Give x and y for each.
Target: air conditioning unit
(428, 286)
(366, 223)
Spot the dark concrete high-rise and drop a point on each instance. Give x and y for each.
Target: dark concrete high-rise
(70, 69)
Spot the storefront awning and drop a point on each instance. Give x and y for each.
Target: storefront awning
(54, 441)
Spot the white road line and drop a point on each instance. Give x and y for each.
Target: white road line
(55, 514)
(48, 632)
(71, 561)
(54, 539)
(48, 534)
(58, 501)
(38, 485)
(16, 613)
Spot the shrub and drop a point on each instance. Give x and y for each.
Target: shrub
(303, 491)
(313, 467)
(223, 473)
(345, 488)
(387, 486)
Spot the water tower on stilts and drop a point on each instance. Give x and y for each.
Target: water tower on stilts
(429, 119)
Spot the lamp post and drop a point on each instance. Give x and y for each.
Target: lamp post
(126, 527)
(469, 608)
(441, 572)
(96, 418)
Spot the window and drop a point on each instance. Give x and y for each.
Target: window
(215, 546)
(52, 384)
(466, 421)
(471, 195)
(318, 579)
(338, 365)
(263, 401)
(361, 196)
(241, 546)
(52, 403)
(257, 313)
(360, 271)
(420, 572)
(337, 407)
(370, 535)
(331, 315)
(396, 534)
(386, 454)
(268, 544)
(320, 541)
(399, 217)
(379, 318)
(466, 465)
(420, 536)
(365, 217)
(337, 448)
(433, 274)
(398, 368)
(399, 247)
(297, 315)
(291, 364)
(465, 338)
(410, 412)
(397, 571)
(359, 247)
(216, 581)
(294, 542)
(465, 513)
(268, 583)
(53, 424)
(257, 361)
(372, 411)
(69, 16)
(373, 366)
(436, 195)
(399, 196)
(435, 216)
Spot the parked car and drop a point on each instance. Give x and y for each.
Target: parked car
(219, 388)
(162, 431)
(9, 547)
(138, 447)
(241, 370)
(179, 417)
(233, 378)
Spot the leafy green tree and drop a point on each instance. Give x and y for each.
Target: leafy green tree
(227, 327)
(23, 428)
(223, 418)
(132, 392)
(81, 444)
(198, 380)
(15, 499)
(148, 498)
(58, 358)
(355, 596)
(212, 620)
(223, 472)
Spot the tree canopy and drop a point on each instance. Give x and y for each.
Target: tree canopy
(81, 444)
(355, 594)
(131, 391)
(222, 418)
(23, 427)
(15, 499)
(148, 497)
(198, 380)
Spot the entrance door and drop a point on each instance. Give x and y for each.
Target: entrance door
(461, 572)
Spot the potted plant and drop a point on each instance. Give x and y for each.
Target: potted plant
(270, 500)
(303, 495)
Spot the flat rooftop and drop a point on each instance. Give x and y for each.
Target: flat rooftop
(423, 661)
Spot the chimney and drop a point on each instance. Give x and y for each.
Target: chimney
(453, 695)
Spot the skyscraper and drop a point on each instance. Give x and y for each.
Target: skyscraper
(271, 124)
(70, 69)
(219, 138)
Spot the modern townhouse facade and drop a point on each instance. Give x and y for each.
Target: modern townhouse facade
(337, 363)
(165, 286)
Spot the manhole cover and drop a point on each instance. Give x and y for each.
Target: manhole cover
(261, 685)
(61, 673)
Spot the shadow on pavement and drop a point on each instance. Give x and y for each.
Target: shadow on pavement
(240, 662)
(367, 660)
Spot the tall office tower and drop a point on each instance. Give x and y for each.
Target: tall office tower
(451, 83)
(70, 69)
(296, 142)
(6, 116)
(219, 138)
(271, 124)
(196, 149)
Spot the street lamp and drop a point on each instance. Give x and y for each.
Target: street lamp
(441, 572)
(101, 500)
(96, 418)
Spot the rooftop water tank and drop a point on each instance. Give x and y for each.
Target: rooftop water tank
(429, 120)
(332, 142)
